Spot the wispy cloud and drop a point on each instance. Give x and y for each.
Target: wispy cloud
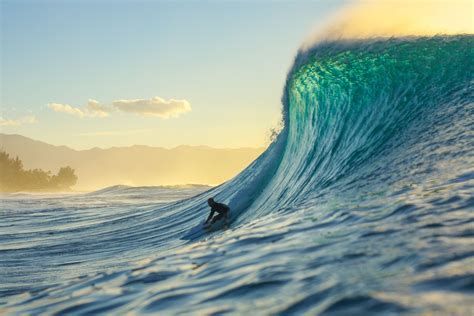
(93, 109)
(116, 133)
(66, 108)
(18, 122)
(154, 107)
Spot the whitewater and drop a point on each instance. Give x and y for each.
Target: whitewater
(362, 205)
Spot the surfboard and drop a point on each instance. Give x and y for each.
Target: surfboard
(201, 229)
(220, 224)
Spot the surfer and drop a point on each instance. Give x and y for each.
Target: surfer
(220, 208)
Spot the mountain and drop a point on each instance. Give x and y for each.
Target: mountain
(134, 165)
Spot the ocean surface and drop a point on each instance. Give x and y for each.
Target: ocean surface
(363, 205)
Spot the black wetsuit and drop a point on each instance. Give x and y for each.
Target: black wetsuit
(221, 209)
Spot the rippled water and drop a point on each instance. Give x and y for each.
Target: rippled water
(397, 250)
(363, 205)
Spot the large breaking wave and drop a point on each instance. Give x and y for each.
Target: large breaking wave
(349, 107)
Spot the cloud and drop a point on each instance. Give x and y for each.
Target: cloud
(93, 109)
(18, 122)
(66, 108)
(154, 107)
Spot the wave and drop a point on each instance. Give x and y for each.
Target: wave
(349, 106)
(346, 104)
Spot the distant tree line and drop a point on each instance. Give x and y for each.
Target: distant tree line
(14, 178)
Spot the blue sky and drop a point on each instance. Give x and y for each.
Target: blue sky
(228, 60)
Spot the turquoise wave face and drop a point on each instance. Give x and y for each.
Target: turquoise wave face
(345, 102)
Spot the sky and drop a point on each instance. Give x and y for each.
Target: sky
(159, 73)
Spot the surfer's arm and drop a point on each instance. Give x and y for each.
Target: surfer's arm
(210, 215)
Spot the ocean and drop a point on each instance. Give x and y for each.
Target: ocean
(362, 205)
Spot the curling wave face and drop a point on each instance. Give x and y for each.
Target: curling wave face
(363, 204)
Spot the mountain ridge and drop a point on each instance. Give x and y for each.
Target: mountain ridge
(132, 165)
(129, 146)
